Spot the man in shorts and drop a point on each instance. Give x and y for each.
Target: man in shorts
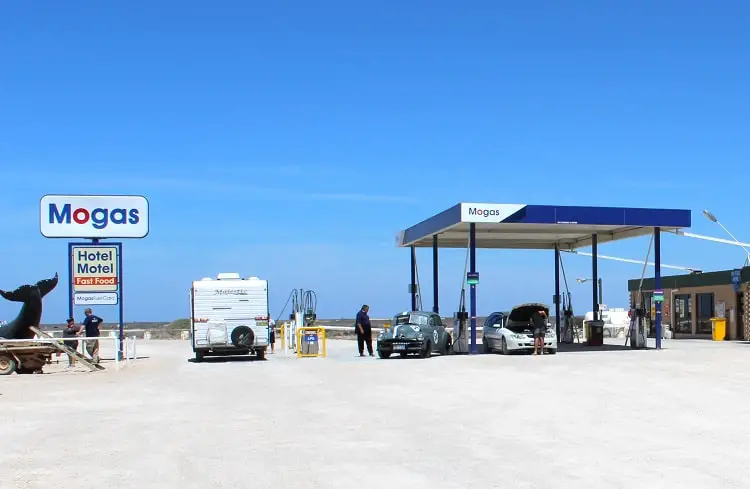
(91, 326)
(539, 326)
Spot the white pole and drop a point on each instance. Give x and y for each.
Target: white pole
(117, 353)
(630, 260)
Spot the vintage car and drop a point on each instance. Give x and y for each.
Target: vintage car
(512, 331)
(418, 332)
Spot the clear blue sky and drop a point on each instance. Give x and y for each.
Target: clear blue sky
(292, 140)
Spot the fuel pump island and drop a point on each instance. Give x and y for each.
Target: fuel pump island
(470, 226)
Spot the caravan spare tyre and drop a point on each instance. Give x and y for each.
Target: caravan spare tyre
(242, 336)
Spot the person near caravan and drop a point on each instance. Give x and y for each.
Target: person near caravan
(364, 331)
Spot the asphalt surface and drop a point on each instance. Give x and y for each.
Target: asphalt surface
(586, 419)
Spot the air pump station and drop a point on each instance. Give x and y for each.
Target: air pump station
(543, 227)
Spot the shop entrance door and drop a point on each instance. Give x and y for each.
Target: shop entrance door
(683, 312)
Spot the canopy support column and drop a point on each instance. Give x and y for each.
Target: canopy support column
(413, 287)
(473, 287)
(594, 276)
(557, 292)
(657, 282)
(435, 305)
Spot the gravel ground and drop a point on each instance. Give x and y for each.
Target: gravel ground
(586, 419)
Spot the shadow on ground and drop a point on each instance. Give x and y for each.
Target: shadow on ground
(229, 358)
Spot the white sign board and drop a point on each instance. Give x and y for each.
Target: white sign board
(488, 212)
(95, 269)
(93, 216)
(95, 298)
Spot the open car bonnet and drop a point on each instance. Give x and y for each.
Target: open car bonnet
(522, 313)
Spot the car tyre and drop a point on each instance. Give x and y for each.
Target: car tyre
(403, 354)
(504, 346)
(427, 351)
(552, 351)
(261, 354)
(486, 346)
(199, 356)
(8, 365)
(384, 354)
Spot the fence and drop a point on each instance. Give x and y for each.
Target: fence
(128, 354)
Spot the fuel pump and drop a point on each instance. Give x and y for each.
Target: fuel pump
(460, 318)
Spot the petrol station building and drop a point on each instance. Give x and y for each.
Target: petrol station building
(691, 300)
(543, 227)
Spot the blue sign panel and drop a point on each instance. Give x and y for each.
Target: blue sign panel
(736, 274)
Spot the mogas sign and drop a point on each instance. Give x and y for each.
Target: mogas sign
(93, 216)
(488, 212)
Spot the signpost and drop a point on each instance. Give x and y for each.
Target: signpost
(659, 295)
(95, 268)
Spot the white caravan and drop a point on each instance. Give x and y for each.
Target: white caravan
(229, 316)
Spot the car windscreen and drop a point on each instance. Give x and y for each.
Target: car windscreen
(417, 319)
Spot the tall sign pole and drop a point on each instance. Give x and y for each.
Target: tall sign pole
(95, 268)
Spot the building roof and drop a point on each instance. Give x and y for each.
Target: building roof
(686, 281)
(523, 226)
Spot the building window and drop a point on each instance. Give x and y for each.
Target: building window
(705, 304)
(683, 314)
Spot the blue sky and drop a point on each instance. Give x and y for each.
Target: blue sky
(292, 140)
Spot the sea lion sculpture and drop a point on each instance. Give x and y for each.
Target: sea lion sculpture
(31, 311)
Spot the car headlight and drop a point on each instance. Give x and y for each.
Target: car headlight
(420, 336)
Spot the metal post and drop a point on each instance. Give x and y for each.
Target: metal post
(122, 313)
(435, 305)
(413, 288)
(71, 298)
(557, 293)
(594, 275)
(473, 287)
(657, 282)
(601, 296)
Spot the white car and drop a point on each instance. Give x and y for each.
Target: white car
(512, 332)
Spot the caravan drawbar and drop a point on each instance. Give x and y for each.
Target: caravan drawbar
(229, 316)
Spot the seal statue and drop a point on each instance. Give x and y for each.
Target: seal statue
(31, 311)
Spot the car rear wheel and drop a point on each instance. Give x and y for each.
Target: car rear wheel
(447, 345)
(486, 345)
(504, 346)
(383, 354)
(427, 352)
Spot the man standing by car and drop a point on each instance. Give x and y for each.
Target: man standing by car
(364, 331)
(91, 325)
(539, 326)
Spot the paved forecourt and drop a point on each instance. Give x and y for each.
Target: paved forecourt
(627, 418)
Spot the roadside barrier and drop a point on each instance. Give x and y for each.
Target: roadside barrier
(129, 346)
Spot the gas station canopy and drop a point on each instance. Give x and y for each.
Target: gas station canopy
(520, 226)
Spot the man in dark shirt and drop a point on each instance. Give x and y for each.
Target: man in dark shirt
(91, 325)
(364, 331)
(72, 330)
(539, 325)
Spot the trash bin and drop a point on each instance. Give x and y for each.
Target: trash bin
(595, 333)
(718, 329)
(310, 343)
